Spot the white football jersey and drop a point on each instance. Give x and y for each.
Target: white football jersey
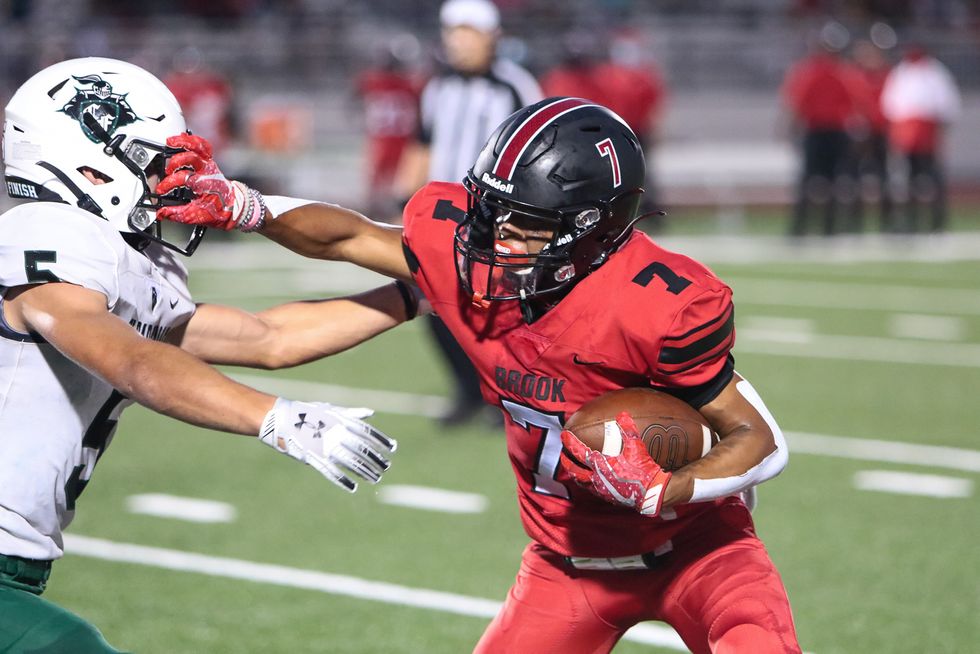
(56, 418)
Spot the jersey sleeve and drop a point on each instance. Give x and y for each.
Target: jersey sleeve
(53, 243)
(430, 219)
(696, 347)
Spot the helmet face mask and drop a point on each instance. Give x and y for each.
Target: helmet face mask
(92, 132)
(492, 267)
(570, 189)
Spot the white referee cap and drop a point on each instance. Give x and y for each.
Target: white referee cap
(481, 15)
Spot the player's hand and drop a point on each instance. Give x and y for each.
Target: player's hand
(218, 202)
(333, 439)
(632, 478)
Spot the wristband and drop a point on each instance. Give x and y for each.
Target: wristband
(252, 207)
(411, 303)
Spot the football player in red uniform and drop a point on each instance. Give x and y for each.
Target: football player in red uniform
(535, 266)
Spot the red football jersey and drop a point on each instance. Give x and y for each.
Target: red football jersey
(646, 317)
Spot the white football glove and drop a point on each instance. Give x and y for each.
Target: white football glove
(332, 439)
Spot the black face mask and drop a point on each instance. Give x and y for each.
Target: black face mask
(144, 159)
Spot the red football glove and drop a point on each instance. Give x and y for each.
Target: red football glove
(218, 202)
(631, 478)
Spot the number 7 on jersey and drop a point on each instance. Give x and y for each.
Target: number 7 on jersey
(549, 450)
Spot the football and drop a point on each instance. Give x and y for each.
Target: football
(674, 432)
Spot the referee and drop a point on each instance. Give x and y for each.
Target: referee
(460, 107)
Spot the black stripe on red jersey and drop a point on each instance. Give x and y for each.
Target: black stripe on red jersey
(698, 396)
(673, 356)
(411, 259)
(714, 354)
(690, 333)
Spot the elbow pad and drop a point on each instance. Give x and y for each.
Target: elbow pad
(769, 467)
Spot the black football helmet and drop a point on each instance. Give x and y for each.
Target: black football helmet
(565, 163)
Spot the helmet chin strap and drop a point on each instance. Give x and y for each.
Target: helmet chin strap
(85, 200)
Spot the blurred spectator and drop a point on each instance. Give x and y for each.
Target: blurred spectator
(921, 98)
(631, 85)
(575, 75)
(460, 108)
(205, 95)
(389, 94)
(870, 145)
(819, 92)
(627, 81)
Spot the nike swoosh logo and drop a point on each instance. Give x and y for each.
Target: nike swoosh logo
(581, 362)
(173, 304)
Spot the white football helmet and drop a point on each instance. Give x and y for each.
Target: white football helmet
(104, 116)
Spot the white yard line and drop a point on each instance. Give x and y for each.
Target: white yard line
(858, 348)
(324, 582)
(411, 404)
(431, 499)
(907, 483)
(865, 449)
(854, 295)
(931, 328)
(190, 509)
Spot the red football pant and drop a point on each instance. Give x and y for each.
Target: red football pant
(718, 589)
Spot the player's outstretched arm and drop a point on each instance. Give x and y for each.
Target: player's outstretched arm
(324, 231)
(297, 332)
(316, 230)
(166, 379)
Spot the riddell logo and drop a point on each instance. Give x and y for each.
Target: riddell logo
(19, 190)
(499, 184)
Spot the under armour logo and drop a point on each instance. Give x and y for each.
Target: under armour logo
(317, 428)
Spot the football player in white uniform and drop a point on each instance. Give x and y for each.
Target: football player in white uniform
(95, 314)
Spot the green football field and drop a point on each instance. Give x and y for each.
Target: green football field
(867, 354)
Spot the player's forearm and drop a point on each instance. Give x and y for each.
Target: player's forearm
(158, 375)
(322, 231)
(737, 462)
(751, 450)
(314, 230)
(175, 383)
(307, 331)
(294, 333)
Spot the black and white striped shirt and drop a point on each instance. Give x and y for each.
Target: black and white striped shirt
(459, 112)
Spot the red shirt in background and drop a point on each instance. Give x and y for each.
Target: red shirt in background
(636, 94)
(390, 101)
(820, 91)
(572, 81)
(206, 99)
(872, 82)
